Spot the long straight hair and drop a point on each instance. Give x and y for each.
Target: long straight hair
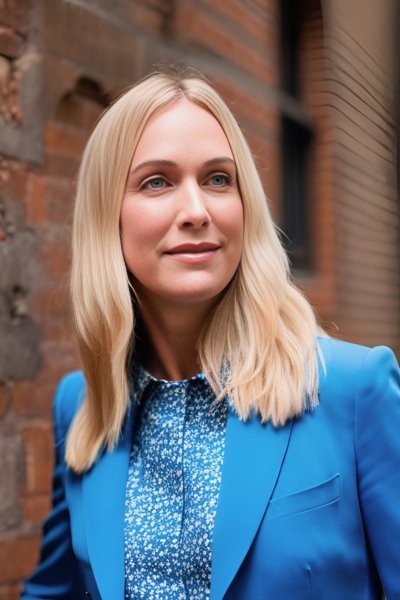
(263, 327)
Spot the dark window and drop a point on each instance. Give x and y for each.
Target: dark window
(290, 38)
(295, 141)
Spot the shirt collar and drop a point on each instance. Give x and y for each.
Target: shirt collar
(140, 379)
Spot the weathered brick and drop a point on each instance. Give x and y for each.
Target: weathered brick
(243, 103)
(10, 592)
(83, 37)
(36, 199)
(36, 508)
(3, 399)
(79, 111)
(199, 28)
(57, 165)
(259, 27)
(18, 558)
(146, 17)
(64, 140)
(39, 449)
(49, 199)
(10, 42)
(16, 14)
(50, 302)
(34, 398)
(58, 257)
(15, 185)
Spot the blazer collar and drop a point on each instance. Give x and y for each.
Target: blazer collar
(104, 488)
(254, 454)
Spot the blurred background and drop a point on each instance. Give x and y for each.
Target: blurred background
(313, 85)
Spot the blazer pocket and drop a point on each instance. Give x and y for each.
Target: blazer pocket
(314, 497)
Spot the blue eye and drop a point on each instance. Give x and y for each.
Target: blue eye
(218, 180)
(156, 183)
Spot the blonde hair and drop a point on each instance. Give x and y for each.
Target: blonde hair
(263, 327)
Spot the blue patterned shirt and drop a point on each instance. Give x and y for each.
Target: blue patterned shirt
(172, 490)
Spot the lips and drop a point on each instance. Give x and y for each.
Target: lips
(193, 248)
(194, 253)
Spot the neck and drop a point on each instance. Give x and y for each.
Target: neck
(172, 333)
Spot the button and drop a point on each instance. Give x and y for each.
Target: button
(179, 473)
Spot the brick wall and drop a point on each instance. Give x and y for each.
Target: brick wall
(361, 108)
(61, 62)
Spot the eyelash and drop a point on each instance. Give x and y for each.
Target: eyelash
(228, 178)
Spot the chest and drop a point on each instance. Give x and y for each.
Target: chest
(287, 496)
(172, 491)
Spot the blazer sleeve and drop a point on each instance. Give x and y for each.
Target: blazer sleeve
(58, 574)
(377, 446)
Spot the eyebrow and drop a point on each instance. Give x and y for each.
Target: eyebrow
(220, 159)
(169, 163)
(154, 163)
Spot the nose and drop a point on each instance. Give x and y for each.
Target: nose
(193, 211)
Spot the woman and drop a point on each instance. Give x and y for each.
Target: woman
(214, 446)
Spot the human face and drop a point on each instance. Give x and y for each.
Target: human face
(182, 215)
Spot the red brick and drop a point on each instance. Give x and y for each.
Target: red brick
(3, 399)
(39, 448)
(200, 29)
(36, 199)
(18, 558)
(51, 303)
(49, 199)
(54, 331)
(10, 592)
(10, 42)
(242, 103)
(34, 398)
(59, 259)
(36, 508)
(16, 14)
(17, 182)
(241, 14)
(60, 166)
(79, 111)
(64, 140)
(55, 366)
(146, 17)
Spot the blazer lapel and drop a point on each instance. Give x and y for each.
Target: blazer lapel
(104, 488)
(253, 458)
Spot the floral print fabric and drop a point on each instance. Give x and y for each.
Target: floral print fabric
(172, 489)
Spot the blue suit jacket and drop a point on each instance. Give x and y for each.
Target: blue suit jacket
(307, 511)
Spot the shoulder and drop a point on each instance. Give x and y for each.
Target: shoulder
(349, 360)
(364, 374)
(342, 355)
(68, 399)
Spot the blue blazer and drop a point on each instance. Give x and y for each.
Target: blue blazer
(306, 511)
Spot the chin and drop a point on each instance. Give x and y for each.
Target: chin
(191, 296)
(191, 289)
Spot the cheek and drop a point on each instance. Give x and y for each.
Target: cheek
(141, 231)
(230, 223)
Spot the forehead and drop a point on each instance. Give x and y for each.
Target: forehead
(182, 130)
